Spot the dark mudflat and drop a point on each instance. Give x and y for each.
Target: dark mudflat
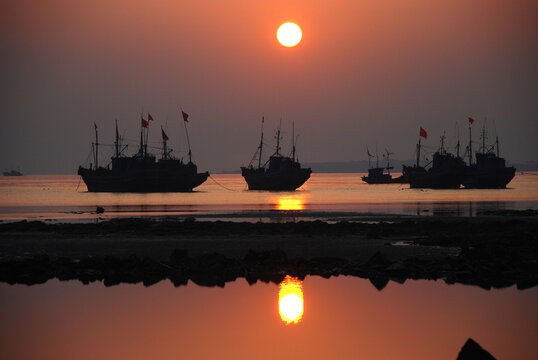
(484, 251)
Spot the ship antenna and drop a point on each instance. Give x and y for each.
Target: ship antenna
(497, 143)
(187, 133)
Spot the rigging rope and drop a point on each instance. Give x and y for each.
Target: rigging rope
(219, 184)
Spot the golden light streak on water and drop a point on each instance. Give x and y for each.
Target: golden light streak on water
(290, 300)
(290, 203)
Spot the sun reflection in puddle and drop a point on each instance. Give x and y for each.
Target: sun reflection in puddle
(290, 300)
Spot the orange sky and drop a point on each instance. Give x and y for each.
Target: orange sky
(364, 71)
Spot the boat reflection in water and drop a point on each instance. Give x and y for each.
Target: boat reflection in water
(290, 300)
(289, 202)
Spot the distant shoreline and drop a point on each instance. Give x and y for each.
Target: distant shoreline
(496, 252)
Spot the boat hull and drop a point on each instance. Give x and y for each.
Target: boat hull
(489, 172)
(385, 179)
(276, 181)
(485, 179)
(435, 180)
(12, 173)
(104, 180)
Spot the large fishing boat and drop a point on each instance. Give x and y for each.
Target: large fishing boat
(490, 170)
(446, 170)
(279, 172)
(142, 172)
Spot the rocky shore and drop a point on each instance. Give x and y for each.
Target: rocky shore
(486, 252)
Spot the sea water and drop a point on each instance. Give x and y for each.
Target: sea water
(225, 197)
(340, 318)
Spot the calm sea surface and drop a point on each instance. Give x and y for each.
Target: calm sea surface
(338, 318)
(324, 196)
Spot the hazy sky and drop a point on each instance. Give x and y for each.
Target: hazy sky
(365, 72)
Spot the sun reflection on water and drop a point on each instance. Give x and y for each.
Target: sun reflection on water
(287, 203)
(290, 300)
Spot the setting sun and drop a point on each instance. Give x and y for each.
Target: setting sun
(289, 34)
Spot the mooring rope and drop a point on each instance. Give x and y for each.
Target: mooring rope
(79, 180)
(219, 184)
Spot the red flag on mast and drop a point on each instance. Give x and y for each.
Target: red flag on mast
(185, 116)
(423, 133)
(145, 123)
(165, 138)
(471, 120)
(94, 124)
(150, 117)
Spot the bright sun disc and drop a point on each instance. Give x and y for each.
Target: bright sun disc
(289, 34)
(290, 300)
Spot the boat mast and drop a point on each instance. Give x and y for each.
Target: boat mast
(442, 151)
(261, 146)
(147, 135)
(165, 153)
(117, 144)
(187, 134)
(278, 138)
(141, 135)
(418, 151)
(388, 161)
(96, 147)
(376, 156)
(470, 144)
(484, 135)
(458, 144)
(497, 143)
(293, 140)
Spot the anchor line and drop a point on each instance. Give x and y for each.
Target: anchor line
(219, 184)
(79, 180)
